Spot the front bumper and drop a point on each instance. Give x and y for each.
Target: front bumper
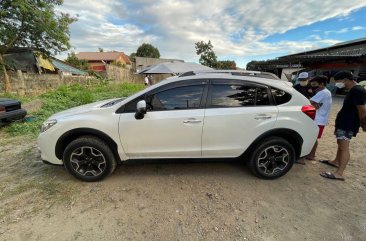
(46, 144)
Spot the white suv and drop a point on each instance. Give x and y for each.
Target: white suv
(250, 115)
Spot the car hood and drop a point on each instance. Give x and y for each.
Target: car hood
(83, 109)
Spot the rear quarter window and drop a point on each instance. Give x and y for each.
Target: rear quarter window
(280, 97)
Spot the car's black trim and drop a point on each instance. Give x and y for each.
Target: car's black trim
(73, 134)
(293, 137)
(51, 164)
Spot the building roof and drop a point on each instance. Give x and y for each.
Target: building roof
(29, 60)
(126, 58)
(354, 47)
(105, 56)
(346, 51)
(65, 67)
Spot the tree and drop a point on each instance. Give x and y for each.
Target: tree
(226, 64)
(101, 50)
(254, 65)
(147, 50)
(79, 63)
(33, 24)
(132, 56)
(208, 56)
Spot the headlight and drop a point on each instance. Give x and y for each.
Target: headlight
(47, 125)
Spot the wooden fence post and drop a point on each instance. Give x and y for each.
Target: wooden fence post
(21, 83)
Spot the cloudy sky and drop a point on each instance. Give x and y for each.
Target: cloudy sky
(239, 30)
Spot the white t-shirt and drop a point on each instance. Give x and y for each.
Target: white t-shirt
(324, 98)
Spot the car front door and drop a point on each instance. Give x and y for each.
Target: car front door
(237, 113)
(172, 126)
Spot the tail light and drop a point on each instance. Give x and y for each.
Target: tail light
(2, 109)
(309, 110)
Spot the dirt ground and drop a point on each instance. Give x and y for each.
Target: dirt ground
(181, 201)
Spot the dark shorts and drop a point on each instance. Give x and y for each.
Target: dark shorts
(343, 135)
(321, 130)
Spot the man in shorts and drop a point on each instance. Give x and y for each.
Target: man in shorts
(322, 101)
(349, 119)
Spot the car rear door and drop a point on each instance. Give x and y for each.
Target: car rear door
(237, 113)
(172, 126)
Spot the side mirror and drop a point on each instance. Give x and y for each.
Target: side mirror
(140, 110)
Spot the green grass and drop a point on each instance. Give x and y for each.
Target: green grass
(65, 97)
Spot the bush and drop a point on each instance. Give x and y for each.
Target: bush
(65, 97)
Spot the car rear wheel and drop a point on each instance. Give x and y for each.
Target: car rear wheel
(89, 159)
(272, 158)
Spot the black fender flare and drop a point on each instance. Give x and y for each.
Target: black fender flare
(292, 136)
(73, 134)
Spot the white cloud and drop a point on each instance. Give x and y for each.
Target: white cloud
(236, 28)
(95, 28)
(356, 28)
(343, 30)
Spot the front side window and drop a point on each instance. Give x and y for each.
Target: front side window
(186, 97)
(227, 95)
(131, 106)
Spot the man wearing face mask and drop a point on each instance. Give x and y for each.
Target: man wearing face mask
(322, 101)
(303, 86)
(349, 119)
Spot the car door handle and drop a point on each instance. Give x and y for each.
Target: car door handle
(262, 117)
(191, 121)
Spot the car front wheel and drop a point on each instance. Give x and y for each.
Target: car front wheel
(272, 158)
(89, 159)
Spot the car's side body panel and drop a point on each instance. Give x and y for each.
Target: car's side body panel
(162, 134)
(227, 132)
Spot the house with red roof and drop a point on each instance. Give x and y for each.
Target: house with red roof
(99, 60)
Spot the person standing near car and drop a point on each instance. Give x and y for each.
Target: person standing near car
(147, 80)
(150, 79)
(348, 121)
(322, 101)
(303, 87)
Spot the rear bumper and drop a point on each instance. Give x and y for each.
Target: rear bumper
(13, 115)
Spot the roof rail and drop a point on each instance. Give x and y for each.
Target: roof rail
(260, 74)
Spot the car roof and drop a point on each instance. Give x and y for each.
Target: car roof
(281, 84)
(232, 72)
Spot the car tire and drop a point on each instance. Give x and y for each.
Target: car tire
(89, 159)
(272, 158)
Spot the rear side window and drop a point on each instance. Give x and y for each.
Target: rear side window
(262, 96)
(280, 96)
(231, 95)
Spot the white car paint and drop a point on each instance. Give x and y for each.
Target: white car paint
(227, 132)
(221, 132)
(162, 134)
